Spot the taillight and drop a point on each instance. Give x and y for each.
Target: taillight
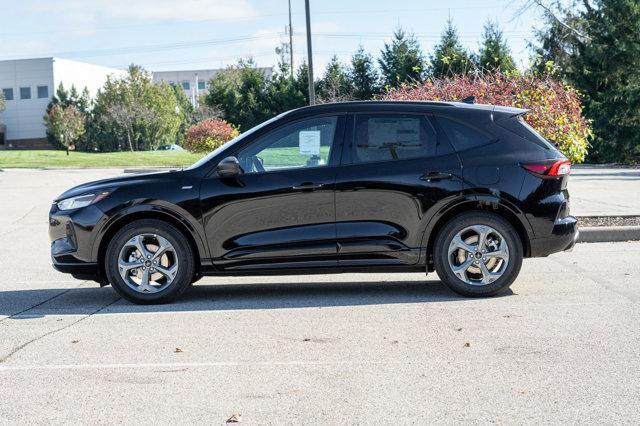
(549, 168)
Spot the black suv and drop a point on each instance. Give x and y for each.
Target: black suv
(467, 190)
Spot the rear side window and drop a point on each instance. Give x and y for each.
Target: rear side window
(388, 137)
(462, 137)
(520, 127)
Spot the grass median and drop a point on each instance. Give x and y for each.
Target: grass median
(59, 159)
(275, 157)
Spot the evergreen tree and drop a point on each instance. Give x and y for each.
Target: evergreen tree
(241, 92)
(401, 61)
(334, 85)
(365, 80)
(449, 57)
(284, 93)
(494, 53)
(301, 81)
(600, 56)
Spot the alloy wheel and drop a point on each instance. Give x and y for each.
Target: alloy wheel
(478, 255)
(148, 263)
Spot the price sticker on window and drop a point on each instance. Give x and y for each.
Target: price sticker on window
(309, 142)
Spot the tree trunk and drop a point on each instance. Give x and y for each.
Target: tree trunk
(67, 150)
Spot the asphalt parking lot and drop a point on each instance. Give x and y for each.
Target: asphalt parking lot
(562, 347)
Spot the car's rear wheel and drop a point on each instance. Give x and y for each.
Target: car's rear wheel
(149, 261)
(478, 254)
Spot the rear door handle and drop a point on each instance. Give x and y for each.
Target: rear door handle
(307, 186)
(436, 176)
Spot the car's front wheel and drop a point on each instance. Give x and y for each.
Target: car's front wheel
(478, 254)
(149, 261)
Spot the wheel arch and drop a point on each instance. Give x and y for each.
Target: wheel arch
(490, 204)
(129, 216)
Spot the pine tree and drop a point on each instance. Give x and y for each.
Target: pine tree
(449, 57)
(594, 46)
(335, 85)
(494, 53)
(364, 77)
(401, 61)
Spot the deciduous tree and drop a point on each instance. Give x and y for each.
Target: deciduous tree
(66, 123)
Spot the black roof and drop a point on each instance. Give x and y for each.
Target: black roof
(431, 106)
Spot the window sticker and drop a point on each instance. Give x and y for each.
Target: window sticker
(309, 142)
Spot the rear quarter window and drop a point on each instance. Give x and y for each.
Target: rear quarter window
(462, 136)
(520, 127)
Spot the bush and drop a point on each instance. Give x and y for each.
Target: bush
(555, 108)
(208, 135)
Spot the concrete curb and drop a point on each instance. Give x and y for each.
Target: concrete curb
(608, 234)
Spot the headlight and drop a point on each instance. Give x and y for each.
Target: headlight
(80, 201)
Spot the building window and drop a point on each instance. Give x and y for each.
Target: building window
(186, 85)
(202, 85)
(8, 94)
(25, 93)
(43, 92)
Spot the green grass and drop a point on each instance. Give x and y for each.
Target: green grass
(281, 157)
(58, 159)
(289, 156)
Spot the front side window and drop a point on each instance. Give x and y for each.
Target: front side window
(461, 136)
(303, 144)
(8, 94)
(386, 137)
(25, 93)
(43, 92)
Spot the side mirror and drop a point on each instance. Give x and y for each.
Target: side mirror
(229, 167)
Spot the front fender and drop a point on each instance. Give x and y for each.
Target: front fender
(151, 209)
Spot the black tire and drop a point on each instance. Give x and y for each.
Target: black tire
(183, 250)
(459, 223)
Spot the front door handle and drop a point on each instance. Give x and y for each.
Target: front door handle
(307, 186)
(436, 176)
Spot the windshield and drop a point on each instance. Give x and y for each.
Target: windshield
(232, 142)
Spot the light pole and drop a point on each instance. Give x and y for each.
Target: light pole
(312, 92)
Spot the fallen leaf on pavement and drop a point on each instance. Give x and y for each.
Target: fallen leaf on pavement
(466, 345)
(235, 418)
(177, 350)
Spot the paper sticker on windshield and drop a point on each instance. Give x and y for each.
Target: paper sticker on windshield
(309, 141)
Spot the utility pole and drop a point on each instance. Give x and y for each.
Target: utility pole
(290, 41)
(312, 91)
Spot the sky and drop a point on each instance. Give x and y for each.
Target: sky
(166, 35)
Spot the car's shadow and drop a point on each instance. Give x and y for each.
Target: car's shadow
(246, 296)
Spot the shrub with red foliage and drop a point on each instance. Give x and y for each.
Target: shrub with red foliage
(555, 108)
(208, 135)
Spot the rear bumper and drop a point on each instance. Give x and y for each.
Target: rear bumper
(563, 237)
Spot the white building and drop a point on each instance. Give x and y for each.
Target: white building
(28, 86)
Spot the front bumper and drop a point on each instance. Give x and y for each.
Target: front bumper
(563, 237)
(72, 235)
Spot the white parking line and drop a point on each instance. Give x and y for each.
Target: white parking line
(175, 365)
